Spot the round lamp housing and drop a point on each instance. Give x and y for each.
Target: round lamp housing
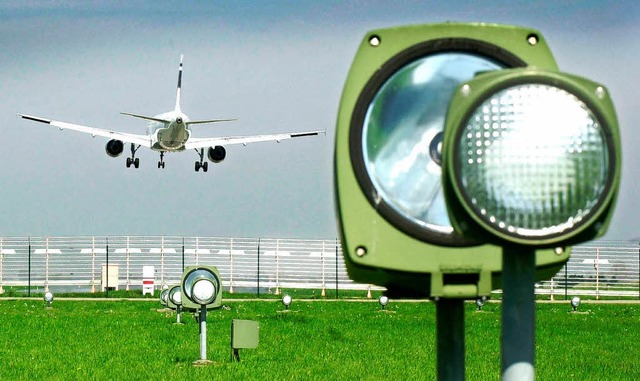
(201, 287)
(287, 300)
(48, 297)
(383, 300)
(174, 298)
(575, 302)
(532, 157)
(164, 296)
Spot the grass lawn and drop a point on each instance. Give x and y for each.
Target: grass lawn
(332, 340)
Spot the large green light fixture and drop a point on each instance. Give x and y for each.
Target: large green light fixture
(395, 227)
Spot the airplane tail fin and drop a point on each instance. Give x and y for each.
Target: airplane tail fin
(179, 85)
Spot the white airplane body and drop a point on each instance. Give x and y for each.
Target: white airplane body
(169, 132)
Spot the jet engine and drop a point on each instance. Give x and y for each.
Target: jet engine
(216, 154)
(114, 147)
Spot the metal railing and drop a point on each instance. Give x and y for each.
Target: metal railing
(260, 265)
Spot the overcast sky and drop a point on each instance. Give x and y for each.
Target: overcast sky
(278, 66)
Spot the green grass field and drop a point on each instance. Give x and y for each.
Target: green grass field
(332, 340)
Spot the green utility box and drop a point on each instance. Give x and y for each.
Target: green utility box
(244, 334)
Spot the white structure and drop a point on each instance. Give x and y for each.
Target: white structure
(148, 280)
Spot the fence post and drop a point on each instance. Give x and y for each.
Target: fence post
(128, 259)
(258, 278)
(29, 270)
(566, 280)
(231, 266)
(46, 266)
(323, 293)
(93, 264)
(337, 243)
(106, 288)
(1, 260)
(277, 292)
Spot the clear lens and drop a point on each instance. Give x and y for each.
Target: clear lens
(176, 296)
(533, 160)
(204, 291)
(402, 135)
(164, 295)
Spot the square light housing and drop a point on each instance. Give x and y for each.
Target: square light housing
(201, 286)
(393, 220)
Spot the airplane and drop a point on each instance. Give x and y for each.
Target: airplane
(169, 132)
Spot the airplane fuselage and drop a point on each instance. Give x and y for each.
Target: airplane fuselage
(172, 136)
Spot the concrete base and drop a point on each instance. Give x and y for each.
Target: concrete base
(201, 363)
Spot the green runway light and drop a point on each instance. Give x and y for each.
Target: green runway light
(532, 157)
(394, 221)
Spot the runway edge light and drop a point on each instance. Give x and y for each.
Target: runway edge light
(393, 220)
(532, 158)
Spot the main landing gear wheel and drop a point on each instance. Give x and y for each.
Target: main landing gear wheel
(201, 164)
(135, 162)
(133, 159)
(204, 166)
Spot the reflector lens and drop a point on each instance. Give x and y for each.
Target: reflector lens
(204, 291)
(402, 135)
(533, 161)
(176, 296)
(201, 286)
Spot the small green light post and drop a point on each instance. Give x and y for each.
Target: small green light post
(48, 299)
(174, 301)
(202, 289)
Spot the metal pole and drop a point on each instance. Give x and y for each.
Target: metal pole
(182, 254)
(258, 268)
(106, 289)
(337, 243)
(518, 313)
(29, 270)
(203, 332)
(566, 281)
(450, 339)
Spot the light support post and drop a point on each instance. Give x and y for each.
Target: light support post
(450, 339)
(202, 289)
(203, 334)
(518, 314)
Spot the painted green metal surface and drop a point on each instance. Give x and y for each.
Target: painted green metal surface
(245, 334)
(191, 306)
(377, 252)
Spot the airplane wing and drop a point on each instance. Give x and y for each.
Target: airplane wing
(210, 142)
(142, 140)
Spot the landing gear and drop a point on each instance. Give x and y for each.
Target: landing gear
(133, 159)
(161, 162)
(201, 164)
